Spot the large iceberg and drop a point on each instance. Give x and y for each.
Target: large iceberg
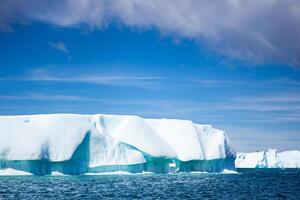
(268, 159)
(77, 144)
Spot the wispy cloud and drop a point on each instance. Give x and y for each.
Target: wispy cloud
(275, 98)
(261, 84)
(45, 74)
(44, 97)
(42, 74)
(59, 46)
(218, 112)
(216, 82)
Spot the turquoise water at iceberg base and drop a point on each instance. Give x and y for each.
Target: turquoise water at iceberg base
(247, 184)
(80, 166)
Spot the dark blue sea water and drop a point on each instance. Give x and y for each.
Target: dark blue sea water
(262, 184)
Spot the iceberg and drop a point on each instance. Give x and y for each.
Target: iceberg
(268, 159)
(80, 144)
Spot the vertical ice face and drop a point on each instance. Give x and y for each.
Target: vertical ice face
(288, 159)
(214, 142)
(268, 159)
(75, 144)
(271, 158)
(181, 135)
(250, 160)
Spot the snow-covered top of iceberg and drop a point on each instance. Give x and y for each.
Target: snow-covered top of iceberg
(112, 139)
(56, 137)
(192, 141)
(268, 159)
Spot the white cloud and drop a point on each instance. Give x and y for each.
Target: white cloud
(275, 98)
(255, 31)
(59, 46)
(42, 74)
(44, 97)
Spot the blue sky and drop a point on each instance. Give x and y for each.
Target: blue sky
(55, 65)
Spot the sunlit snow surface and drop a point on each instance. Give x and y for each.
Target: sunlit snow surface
(78, 144)
(268, 159)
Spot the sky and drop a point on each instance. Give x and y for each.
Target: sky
(233, 64)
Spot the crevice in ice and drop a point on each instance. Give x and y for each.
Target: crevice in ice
(79, 162)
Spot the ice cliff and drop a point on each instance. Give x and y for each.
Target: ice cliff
(268, 159)
(77, 144)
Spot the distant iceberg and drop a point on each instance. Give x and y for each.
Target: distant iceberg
(268, 159)
(79, 144)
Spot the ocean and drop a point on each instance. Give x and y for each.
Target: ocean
(247, 184)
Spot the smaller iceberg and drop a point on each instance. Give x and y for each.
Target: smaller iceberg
(268, 159)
